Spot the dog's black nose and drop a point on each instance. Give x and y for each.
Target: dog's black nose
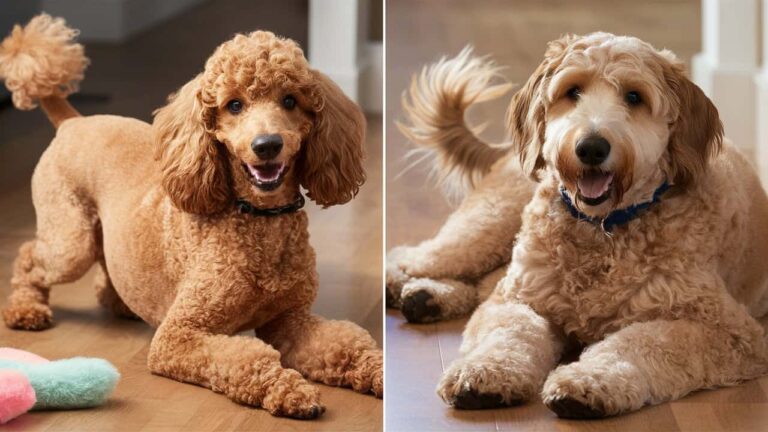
(593, 149)
(267, 147)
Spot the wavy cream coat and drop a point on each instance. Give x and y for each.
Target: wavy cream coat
(662, 305)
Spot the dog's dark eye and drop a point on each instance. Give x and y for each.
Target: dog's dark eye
(633, 98)
(234, 106)
(289, 102)
(573, 93)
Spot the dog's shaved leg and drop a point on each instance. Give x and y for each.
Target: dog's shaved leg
(506, 354)
(652, 362)
(338, 353)
(27, 306)
(38, 267)
(65, 248)
(193, 345)
(476, 239)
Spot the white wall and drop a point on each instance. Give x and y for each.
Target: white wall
(339, 47)
(732, 71)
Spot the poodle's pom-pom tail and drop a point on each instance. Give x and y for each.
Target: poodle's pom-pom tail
(435, 105)
(41, 60)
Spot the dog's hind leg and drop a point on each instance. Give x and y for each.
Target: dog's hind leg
(475, 240)
(429, 300)
(64, 249)
(107, 296)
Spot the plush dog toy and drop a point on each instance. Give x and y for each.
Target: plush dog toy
(28, 381)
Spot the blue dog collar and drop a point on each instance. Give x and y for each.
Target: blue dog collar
(616, 217)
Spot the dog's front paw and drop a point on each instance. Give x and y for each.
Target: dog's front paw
(28, 316)
(419, 306)
(395, 277)
(292, 396)
(367, 375)
(428, 300)
(481, 384)
(588, 391)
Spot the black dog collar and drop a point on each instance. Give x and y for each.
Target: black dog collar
(245, 207)
(616, 217)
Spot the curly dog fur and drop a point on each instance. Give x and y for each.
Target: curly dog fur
(445, 277)
(154, 205)
(664, 304)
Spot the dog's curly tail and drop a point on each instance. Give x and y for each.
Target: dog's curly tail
(435, 105)
(41, 63)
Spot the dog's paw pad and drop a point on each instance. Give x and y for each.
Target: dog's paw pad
(420, 307)
(569, 408)
(469, 399)
(312, 413)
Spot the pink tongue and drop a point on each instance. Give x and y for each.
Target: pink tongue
(265, 172)
(594, 184)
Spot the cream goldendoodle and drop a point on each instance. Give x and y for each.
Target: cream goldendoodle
(645, 240)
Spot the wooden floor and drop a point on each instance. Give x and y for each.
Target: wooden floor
(137, 76)
(515, 33)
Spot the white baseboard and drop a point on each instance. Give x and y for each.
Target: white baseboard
(114, 20)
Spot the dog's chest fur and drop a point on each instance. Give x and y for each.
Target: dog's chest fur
(261, 265)
(591, 284)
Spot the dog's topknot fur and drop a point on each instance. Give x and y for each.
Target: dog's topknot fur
(259, 62)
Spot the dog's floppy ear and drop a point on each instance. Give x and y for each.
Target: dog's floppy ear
(696, 132)
(526, 116)
(331, 162)
(194, 168)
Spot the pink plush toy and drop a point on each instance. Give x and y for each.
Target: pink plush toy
(20, 356)
(16, 395)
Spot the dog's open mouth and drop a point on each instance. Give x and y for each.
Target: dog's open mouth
(594, 187)
(268, 176)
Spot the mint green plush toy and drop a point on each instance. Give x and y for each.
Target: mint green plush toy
(67, 384)
(30, 381)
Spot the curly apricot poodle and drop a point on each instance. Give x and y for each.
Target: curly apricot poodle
(195, 220)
